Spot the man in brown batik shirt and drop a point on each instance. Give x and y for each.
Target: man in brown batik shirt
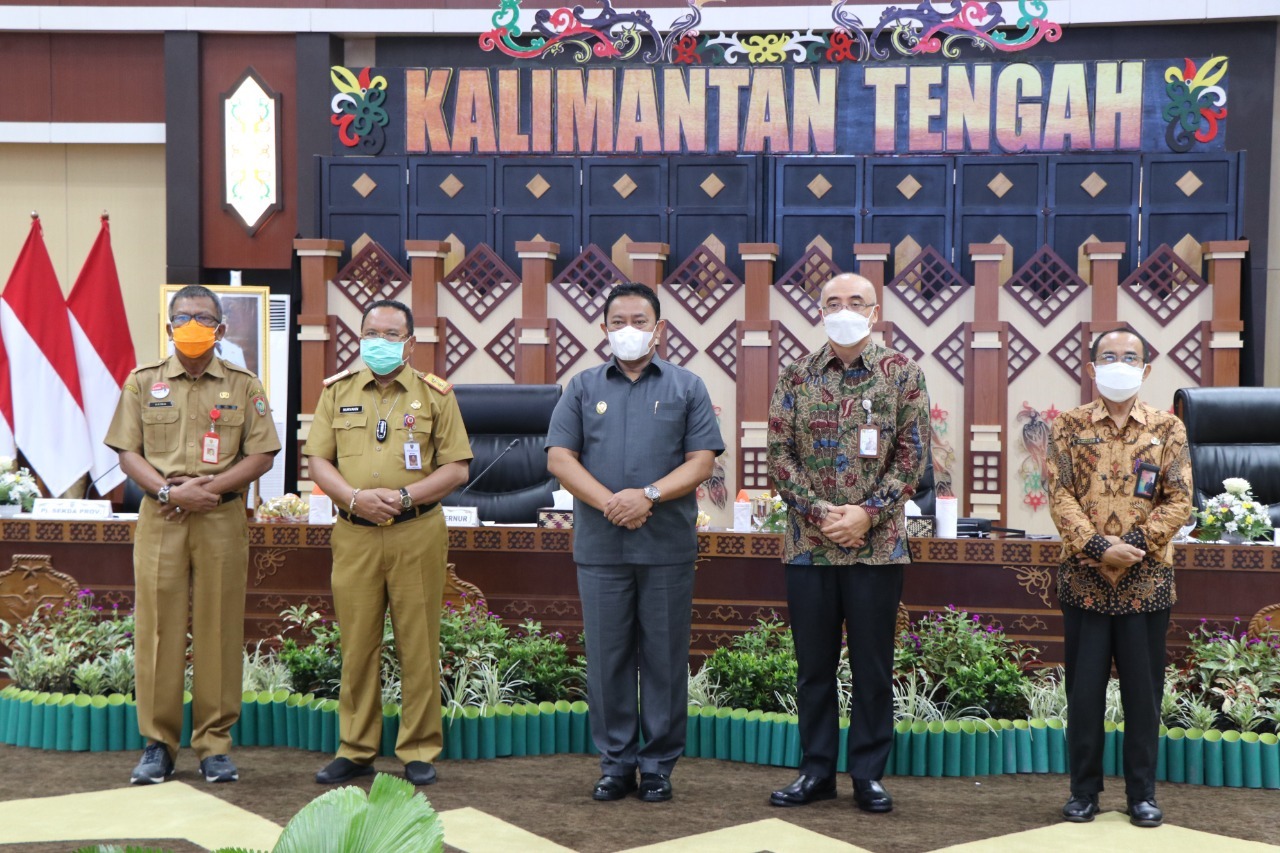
(1119, 489)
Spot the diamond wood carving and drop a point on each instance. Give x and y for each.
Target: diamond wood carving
(1188, 354)
(1044, 285)
(702, 283)
(481, 282)
(906, 346)
(457, 347)
(346, 345)
(1067, 354)
(568, 350)
(928, 286)
(370, 275)
(502, 348)
(1164, 284)
(1021, 353)
(951, 353)
(802, 284)
(587, 280)
(789, 346)
(680, 350)
(724, 350)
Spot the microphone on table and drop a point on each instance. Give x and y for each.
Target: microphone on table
(99, 478)
(476, 478)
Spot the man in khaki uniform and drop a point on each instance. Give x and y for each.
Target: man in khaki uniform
(386, 444)
(193, 431)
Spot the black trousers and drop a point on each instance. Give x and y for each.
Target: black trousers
(864, 600)
(1136, 643)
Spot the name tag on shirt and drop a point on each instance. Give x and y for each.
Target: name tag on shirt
(161, 405)
(350, 410)
(868, 441)
(412, 456)
(209, 453)
(1086, 441)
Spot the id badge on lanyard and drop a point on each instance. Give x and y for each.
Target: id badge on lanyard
(210, 444)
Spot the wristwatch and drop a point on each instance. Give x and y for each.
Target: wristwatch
(405, 500)
(651, 492)
(162, 496)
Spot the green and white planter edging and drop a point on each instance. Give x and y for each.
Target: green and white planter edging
(967, 748)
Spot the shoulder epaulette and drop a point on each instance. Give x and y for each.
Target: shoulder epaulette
(329, 380)
(150, 364)
(231, 365)
(437, 384)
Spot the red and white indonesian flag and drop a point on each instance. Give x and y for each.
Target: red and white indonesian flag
(104, 351)
(7, 447)
(48, 425)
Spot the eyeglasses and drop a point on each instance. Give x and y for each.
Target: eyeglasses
(833, 306)
(206, 320)
(393, 337)
(1128, 358)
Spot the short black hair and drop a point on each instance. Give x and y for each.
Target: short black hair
(1093, 348)
(632, 288)
(389, 303)
(197, 291)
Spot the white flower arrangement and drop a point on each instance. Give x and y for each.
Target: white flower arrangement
(17, 486)
(1234, 511)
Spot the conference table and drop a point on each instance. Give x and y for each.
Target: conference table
(528, 573)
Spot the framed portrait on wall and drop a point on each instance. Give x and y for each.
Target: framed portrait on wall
(247, 313)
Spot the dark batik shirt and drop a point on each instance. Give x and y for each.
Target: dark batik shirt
(813, 450)
(1093, 472)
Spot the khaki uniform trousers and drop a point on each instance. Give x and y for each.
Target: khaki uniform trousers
(402, 565)
(206, 558)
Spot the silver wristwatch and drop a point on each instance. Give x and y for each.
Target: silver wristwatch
(651, 492)
(405, 501)
(162, 496)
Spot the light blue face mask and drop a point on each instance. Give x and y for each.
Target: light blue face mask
(382, 356)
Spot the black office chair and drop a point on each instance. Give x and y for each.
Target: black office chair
(1233, 432)
(498, 417)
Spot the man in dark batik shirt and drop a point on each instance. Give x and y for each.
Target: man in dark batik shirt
(1119, 489)
(848, 433)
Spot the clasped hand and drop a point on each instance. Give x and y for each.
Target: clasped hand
(847, 525)
(378, 505)
(1121, 555)
(628, 508)
(187, 495)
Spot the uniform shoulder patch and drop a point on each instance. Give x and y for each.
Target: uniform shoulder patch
(437, 384)
(231, 365)
(329, 380)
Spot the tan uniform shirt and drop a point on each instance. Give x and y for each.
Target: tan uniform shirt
(163, 414)
(344, 429)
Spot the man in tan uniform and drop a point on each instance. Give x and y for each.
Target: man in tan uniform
(193, 431)
(387, 443)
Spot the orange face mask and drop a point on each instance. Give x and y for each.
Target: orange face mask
(194, 340)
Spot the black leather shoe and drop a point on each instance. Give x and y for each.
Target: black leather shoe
(1081, 808)
(420, 773)
(805, 790)
(342, 770)
(1145, 813)
(871, 796)
(655, 787)
(613, 787)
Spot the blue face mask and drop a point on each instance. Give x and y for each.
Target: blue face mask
(382, 356)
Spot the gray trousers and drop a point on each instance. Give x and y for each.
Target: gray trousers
(637, 618)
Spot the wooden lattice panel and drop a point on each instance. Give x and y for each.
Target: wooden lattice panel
(1188, 354)
(802, 284)
(928, 286)
(984, 473)
(680, 350)
(370, 275)
(568, 350)
(755, 468)
(587, 280)
(724, 350)
(1067, 353)
(502, 348)
(951, 353)
(1021, 353)
(702, 283)
(346, 345)
(789, 346)
(1045, 285)
(906, 346)
(481, 282)
(457, 347)
(1164, 284)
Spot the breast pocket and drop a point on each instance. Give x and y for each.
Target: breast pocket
(161, 430)
(350, 433)
(230, 432)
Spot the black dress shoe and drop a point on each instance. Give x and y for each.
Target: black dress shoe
(420, 773)
(613, 787)
(805, 790)
(871, 796)
(1081, 808)
(342, 770)
(655, 787)
(1145, 813)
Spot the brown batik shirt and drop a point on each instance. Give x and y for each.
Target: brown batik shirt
(813, 450)
(1094, 467)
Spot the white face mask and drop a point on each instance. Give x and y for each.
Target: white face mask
(1117, 382)
(845, 328)
(629, 343)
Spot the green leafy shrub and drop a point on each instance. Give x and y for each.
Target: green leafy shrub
(69, 647)
(540, 663)
(757, 670)
(315, 663)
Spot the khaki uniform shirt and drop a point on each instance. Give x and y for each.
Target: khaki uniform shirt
(1093, 475)
(344, 429)
(163, 414)
(814, 417)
